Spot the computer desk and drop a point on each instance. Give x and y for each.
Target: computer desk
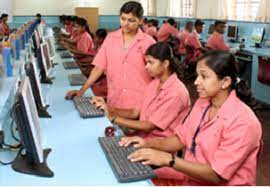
(76, 157)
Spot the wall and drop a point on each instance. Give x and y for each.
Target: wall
(58, 7)
(6, 7)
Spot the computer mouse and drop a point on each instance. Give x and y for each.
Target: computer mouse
(110, 131)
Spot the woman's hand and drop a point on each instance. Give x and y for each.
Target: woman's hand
(100, 103)
(136, 140)
(151, 157)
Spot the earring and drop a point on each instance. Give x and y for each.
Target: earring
(223, 87)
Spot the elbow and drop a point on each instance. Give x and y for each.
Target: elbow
(148, 127)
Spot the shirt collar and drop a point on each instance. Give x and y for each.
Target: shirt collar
(168, 83)
(139, 34)
(228, 109)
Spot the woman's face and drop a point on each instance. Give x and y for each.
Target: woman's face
(129, 23)
(207, 82)
(155, 67)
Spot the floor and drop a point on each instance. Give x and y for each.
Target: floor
(263, 173)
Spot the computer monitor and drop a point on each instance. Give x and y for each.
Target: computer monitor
(31, 72)
(35, 42)
(232, 32)
(211, 29)
(46, 57)
(27, 121)
(49, 40)
(257, 36)
(40, 32)
(44, 71)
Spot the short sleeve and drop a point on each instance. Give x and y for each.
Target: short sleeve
(100, 59)
(237, 144)
(166, 112)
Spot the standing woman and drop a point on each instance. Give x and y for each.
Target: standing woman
(121, 58)
(220, 138)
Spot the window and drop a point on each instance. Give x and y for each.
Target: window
(149, 7)
(244, 9)
(187, 8)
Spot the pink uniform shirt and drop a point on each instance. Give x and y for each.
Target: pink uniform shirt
(229, 143)
(124, 68)
(166, 107)
(165, 31)
(4, 29)
(182, 37)
(216, 42)
(193, 40)
(85, 44)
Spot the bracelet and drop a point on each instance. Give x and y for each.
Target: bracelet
(113, 119)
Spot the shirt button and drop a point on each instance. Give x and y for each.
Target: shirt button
(124, 90)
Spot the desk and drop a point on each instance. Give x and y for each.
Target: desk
(76, 157)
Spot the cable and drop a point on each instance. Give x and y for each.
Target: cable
(13, 116)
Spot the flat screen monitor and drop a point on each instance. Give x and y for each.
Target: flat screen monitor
(211, 29)
(257, 35)
(232, 32)
(26, 118)
(46, 57)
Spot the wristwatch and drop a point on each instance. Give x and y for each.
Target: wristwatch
(113, 119)
(172, 162)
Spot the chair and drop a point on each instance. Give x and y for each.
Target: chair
(264, 78)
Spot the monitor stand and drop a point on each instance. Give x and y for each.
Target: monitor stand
(42, 112)
(46, 80)
(25, 164)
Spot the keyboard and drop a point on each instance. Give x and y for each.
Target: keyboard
(66, 55)
(61, 48)
(76, 79)
(70, 65)
(85, 108)
(124, 170)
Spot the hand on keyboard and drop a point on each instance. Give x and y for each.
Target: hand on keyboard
(71, 94)
(151, 157)
(136, 140)
(99, 103)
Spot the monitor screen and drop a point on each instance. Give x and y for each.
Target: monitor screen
(49, 40)
(257, 35)
(46, 57)
(31, 72)
(211, 29)
(37, 40)
(232, 32)
(27, 120)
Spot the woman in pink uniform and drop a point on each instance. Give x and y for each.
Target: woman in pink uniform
(121, 58)
(220, 137)
(165, 102)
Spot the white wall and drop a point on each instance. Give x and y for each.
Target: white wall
(58, 7)
(6, 7)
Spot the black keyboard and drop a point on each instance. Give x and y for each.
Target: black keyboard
(70, 65)
(76, 79)
(66, 55)
(124, 170)
(86, 109)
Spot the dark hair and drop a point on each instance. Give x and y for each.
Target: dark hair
(218, 22)
(4, 16)
(163, 51)
(132, 7)
(171, 21)
(198, 22)
(154, 22)
(225, 64)
(101, 33)
(82, 22)
(38, 15)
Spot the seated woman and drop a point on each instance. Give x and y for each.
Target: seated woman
(165, 102)
(220, 137)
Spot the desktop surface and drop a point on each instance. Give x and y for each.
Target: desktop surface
(76, 157)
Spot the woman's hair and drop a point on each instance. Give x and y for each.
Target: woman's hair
(225, 64)
(163, 51)
(101, 33)
(82, 22)
(4, 16)
(132, 7)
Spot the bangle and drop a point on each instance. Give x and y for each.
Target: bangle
(113, 119)
(172, 162)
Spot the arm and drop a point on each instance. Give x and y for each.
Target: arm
(94, 76)
(124, 113)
